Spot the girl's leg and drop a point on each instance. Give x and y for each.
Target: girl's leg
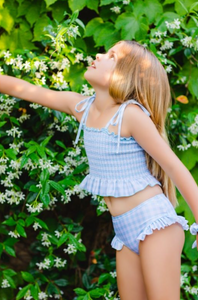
(160, 256)
(129, 275)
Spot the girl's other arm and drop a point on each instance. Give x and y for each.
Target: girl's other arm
(147, 136)
(62, 101)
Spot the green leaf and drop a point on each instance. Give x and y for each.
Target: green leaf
(93, 4)
(80, 291)
(49, 2)
(192, 7)
(29, 220)
(11, 153)
(107, 2)
(193, 82)
(9, 222)
(92, 26)
(27, 276)
(46, 141)
(107, 36)
(23, 291)
(128, 24)
(39, 27)
(34, 291)
(180, 8)
(10, 241)
(33, 12)
(62, 239)
(61, 282)
(10, 281)
(31, 150)
(103, 277)
(21, 222)
(152, 9)
(81, 168)
(44, 176)
(2, 123)
(41, 152)
(168, 2)
(98, 292)
(42, 223)
(24, 161)
(77, 4)
(21, 230)
(45, 199)
(10, 250)
(59, 143)
(57, 187)
(9, 272)
(6, 20)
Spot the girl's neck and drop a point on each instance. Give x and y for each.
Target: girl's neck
(103, 101)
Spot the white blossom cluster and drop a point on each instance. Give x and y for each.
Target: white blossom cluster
(111, 296)
(116, 9)
(6, 104)
(11, 196)
(5, 284)
(47, 263)
(71, 249)
(87, 91)
(185, 282)
(173, 25)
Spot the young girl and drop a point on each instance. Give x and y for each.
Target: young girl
(130, 164)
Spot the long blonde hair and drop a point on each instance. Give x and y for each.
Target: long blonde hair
(139, 75)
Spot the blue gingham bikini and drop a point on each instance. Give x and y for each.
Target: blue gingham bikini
(117, 168)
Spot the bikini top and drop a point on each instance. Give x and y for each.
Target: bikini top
(117, 164)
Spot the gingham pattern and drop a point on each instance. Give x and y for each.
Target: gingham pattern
(133, 226)
(117, 164)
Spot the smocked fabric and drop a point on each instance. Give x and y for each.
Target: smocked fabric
(117, 164)
(134, 225)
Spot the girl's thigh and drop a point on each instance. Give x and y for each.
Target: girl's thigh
(129, 275)
(160, 256)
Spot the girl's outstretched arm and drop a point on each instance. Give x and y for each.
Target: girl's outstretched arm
(62, 101)
(145, 133)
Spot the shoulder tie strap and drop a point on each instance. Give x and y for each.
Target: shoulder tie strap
(117, 118)
(86, 103)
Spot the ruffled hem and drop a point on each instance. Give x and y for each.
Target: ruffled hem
(116, 243)
(162, 223)
(116, 187)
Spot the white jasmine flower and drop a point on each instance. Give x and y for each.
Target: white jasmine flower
(5, 283)
(43, 80)
(26, 66)
(37, 64)
(115, 9)
(194, 268)
(7, 54)
(57, 234)
(187, 41)
(14, 132)
(113, 274)
(167, 45)
(169, 69)
(14, 234)
(126, 2)
(195, 144)
(34, 207)
(59, 263)
(42, 296)
(79, 57)
(45, 264)
(183, 148)
(36, 226)
(72, 31)
(71, 249)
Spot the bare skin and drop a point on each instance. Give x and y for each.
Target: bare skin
(155, 273)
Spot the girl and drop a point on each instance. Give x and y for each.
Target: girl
(130, 164)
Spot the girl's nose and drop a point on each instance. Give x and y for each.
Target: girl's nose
(98, 55)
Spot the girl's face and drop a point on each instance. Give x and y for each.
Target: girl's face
(99, 73)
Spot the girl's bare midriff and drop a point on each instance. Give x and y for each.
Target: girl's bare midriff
(120, 205)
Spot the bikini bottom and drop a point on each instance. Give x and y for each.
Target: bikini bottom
(133, 226)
